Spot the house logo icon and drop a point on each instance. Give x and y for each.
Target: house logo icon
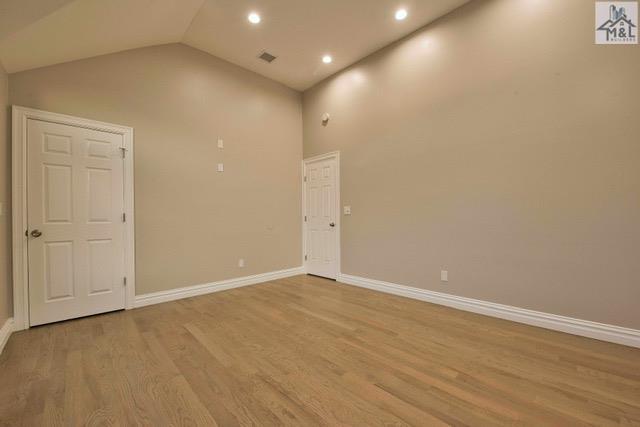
(616, 22)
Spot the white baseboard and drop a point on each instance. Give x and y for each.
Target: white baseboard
(586, 328)
(207, 288)
(5, 332)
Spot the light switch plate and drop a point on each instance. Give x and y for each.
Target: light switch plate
(220, 143)
(347, 210)
(220, 167)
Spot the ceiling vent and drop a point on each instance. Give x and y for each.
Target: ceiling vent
(266, 56)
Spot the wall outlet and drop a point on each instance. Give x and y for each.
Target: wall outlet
(220, 167)
(241, 262)
(444, 276)
(220, 143)
(347, 210)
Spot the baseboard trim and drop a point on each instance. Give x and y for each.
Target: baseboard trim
(5, 333)
(585, 328)
(207, 288)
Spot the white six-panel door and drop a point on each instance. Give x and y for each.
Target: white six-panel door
(75, 199)
(321, 218)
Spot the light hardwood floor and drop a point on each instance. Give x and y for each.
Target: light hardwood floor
(308, 351)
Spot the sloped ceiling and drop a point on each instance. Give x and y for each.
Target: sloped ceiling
(85, 28)
(17, 14)
(36, 33)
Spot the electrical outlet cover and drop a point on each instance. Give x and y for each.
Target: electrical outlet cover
(444, 275)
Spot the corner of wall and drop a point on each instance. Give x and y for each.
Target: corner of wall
(5, 199)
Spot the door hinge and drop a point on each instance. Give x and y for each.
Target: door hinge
(123, 151)
(124, 281)
(305, 257)
(305, 218)
(124, 217)
(305, 179)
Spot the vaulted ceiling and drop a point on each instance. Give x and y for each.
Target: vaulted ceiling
(37, 33)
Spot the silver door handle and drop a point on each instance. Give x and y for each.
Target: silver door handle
(36, 233)
(333, 224)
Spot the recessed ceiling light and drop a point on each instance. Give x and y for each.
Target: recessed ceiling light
(401, 14)
(327, 59)
(254, 18)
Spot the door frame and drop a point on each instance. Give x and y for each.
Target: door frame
(338, 208)
(20, 116)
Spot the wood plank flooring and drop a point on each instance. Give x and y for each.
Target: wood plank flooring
(308, 351)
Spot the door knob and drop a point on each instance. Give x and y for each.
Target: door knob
(36, 233)
(333, 224)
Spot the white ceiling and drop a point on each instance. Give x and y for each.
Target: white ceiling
(36, 33)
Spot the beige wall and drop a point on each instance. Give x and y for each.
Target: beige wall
(498, 143)
(192, 223)
(6, 302)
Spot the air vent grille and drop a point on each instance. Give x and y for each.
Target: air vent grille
(266, 56)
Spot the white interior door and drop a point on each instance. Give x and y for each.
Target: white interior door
(321, 218)
(75, 201)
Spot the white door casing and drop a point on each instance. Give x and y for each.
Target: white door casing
(75, 199)
(73, 251)
(322, 215)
